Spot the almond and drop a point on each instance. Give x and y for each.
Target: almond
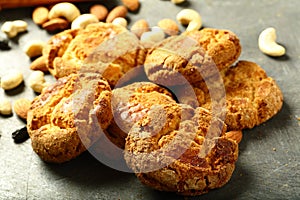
(235, 135)
(100, 11)
(56, 24)
(40, 15)
(21, 107)
(39, 64)
(139, 27)
(169, 26)
(119, 11)
(132, 5)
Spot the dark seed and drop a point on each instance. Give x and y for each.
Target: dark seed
(20, 135)
(4, 43)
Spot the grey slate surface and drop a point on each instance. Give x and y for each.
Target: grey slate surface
(268, 165)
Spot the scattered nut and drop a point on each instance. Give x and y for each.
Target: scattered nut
(5, 107)
(139, 27)
(56, 24)
(34, 48)
(151, 37)
(100, 11)
(21, 107)
(40, 15)
(37, 81)
(191, 18)
(83, 20)
(177, 1)
(119, 11)
(11, 80)
(120, 21)
(267, 43)
(12, 28)
(235, 135)
(169, 26)
(39, 64)
(65, 9)
(132, 5)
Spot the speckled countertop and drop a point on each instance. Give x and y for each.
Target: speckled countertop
(268, 165)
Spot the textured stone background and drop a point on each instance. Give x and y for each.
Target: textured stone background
(268, 166)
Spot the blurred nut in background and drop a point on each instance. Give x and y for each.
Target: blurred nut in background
(34, 48)
(5, 107)
(37, 81)
(12, 28)
(169, 26)
(40, 15)
(56, 24)
(120, 21)
(83, 20)
(11, 80)
(132, 5)
(139, 27)
(21, 107)
(118, 11)
(100, 11)
(66, 10)
(39, 64)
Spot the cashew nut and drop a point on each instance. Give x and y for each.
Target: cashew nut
(155, 35)
(11, 80)
(12, 28)
(120, 21)
(267, 43)
(5, 107)
(37, 81)
(191, 18)
(34, 48)
(65, 9)
(83, 20)
(177, 1)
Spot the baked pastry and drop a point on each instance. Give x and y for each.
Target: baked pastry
(179, 149)
(176, 60)
(103, 47)
(251, 96)
(222, 45)
(192, 56)
(69, 116)
(132, 102)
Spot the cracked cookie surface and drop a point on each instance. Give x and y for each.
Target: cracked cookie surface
(130, 103)
(252, 97)
(104, 47)
(69, 116)
(176, 60)
(192, 56)
(222, 45)
(179, 149)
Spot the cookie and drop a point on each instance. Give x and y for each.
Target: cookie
(178, 149)
(252, 97)
(176, 60)
(132, 102)
(103, 47)
(222, 45)
(69, 116)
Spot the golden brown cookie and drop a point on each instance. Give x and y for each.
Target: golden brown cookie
(176, 60)
(222, 45)
(132, 102)
(179, 149)
(251, 96)
(69, 116)
(104, 47)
